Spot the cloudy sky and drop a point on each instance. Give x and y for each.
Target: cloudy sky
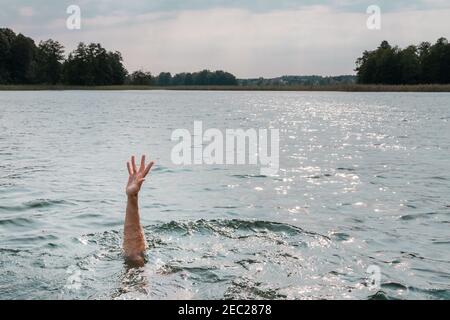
(248, 38)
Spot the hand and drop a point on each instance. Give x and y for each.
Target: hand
(137, 177)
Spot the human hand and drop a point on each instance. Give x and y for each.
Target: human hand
(136, 177)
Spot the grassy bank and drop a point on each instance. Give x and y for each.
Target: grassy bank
(343, 88)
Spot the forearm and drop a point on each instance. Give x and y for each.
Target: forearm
(134, 244)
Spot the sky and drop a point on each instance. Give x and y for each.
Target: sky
(249, 38)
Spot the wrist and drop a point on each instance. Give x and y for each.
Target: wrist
(132, 196)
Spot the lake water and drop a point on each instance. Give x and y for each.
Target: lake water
(362, 194)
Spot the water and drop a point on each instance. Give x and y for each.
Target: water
(364, 183)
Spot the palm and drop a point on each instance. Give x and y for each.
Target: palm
(133, 186)
(137, 176)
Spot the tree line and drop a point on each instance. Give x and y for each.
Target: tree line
(202, 78)
(313, 80)
(421, 64)
(24, 62)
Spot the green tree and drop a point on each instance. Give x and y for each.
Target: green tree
(93, 65)
(387, 64)
(424, 55)
(50, 56)
(410, 65)
(140, 78)
(201, 78)
(117, 71)
(179, 79)
(366, 67)
(224, 78)
(7, 38)
(22, 59)
(164, 79)
(425, 63)
(188, 80)
(436, 63)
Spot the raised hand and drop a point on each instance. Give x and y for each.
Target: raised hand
(136, 176)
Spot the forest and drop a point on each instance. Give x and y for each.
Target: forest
(421, 64)
(24, 62)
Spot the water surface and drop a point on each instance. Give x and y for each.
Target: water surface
(364, 181)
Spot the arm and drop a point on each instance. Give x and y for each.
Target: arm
(134, 244)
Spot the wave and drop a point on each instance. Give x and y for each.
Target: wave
(233, 227)
(203, 259)
(248, 176)
(20, 222)
(38, 203)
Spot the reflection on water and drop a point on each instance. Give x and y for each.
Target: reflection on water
(364, 181)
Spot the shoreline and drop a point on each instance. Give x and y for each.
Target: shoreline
(338, 88)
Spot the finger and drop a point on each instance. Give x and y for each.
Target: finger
(147, 169)
(129, 168)
(133, 164)
(142, 166)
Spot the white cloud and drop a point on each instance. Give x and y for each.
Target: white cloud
(26, 11)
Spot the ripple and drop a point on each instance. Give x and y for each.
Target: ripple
(345, 169)
(394, 286)
(247, 289)
(439, 178)
(42, 203)
(248, 176)
(16, 222)
(33, 204)
(33, 239)
(231, 228)
(340, 236)
(418, 216)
